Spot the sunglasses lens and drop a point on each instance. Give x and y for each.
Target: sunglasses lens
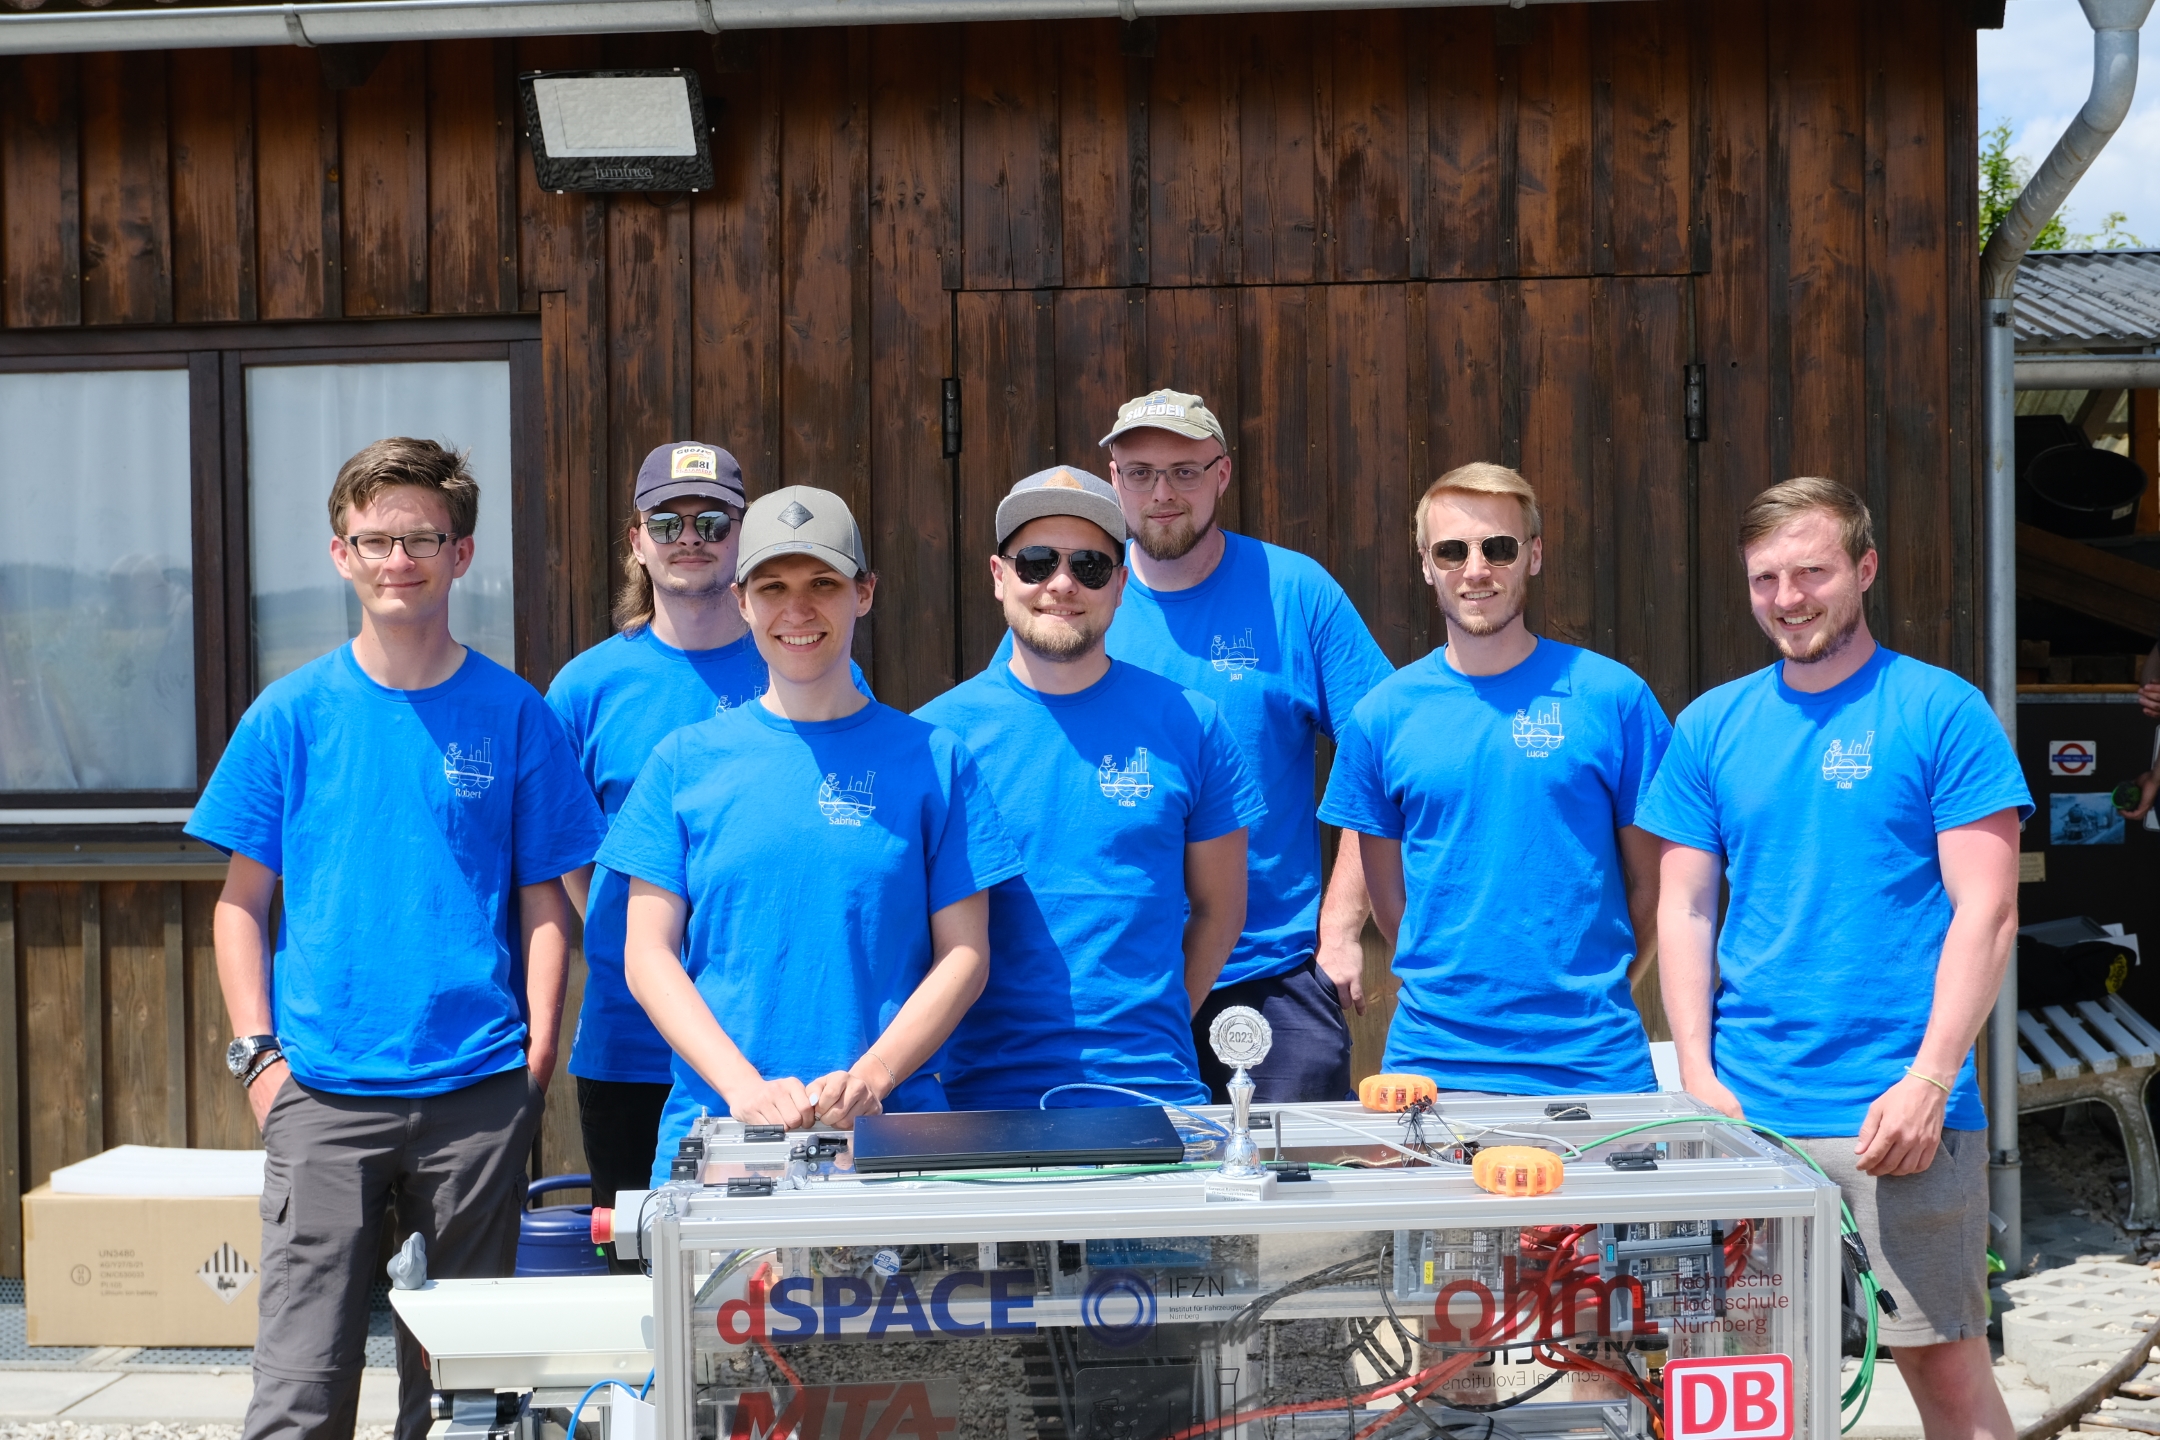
(1451, 554)
(713, 525)
(1501, 549)
(1035, 563)
(1092, 568)
(664, 528)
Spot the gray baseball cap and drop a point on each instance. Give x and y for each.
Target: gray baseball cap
(1172, 410)
(685, 467)
(799, 520)
(1060, 490)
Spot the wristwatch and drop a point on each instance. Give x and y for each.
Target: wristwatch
(248, 1054)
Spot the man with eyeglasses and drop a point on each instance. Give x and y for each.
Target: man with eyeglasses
(420, 804)
(1129, 801)
(1495, 784)
(1268, 635)
(682, 654)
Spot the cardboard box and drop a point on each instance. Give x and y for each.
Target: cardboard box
(123, 1270)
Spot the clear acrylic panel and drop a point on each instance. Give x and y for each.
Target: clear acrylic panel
(97, 610)
(305, 421)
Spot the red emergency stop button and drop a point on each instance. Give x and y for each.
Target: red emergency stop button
(603, 1225)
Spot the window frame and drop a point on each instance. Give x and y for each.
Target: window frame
(216, 359)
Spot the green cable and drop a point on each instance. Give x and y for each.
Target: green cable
(1863, 1385)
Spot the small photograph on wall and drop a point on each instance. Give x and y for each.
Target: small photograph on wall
(2084, 820)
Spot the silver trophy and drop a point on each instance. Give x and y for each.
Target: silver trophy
(1240, 1038)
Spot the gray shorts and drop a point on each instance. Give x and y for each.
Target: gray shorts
(1927, 1235)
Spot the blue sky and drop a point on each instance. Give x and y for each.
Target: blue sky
(2036, 71)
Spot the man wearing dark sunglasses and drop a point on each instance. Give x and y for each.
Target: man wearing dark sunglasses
(683, 654)
(1495, 784)
(1129, 800)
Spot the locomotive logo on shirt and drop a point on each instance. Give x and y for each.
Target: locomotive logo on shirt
(850, 804)
(1128, 786)
(469, 772)
(1236, 657)
(1847, 765)
(724, 704)
(1537, 736)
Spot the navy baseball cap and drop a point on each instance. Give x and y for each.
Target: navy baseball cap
(688, 468)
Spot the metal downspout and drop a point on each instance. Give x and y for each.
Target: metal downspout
(2115, 61)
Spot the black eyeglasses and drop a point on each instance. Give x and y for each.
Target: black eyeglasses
(1454, 554)
(420, 545)
(711, 526)
(1035, 564)
(1181, 477)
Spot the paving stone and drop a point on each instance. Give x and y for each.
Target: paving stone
(36, 1394)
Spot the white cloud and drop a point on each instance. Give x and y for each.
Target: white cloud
(2036, 71)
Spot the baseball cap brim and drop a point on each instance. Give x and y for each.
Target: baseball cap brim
(1186, 428)
(683, 489)
(1017, 510)
(837, 559)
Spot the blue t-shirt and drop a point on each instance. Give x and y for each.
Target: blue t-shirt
(1276, 644)
(1825, 810)
(1506, 792)
(1106, 788)
(617, 701)
(813, 855)
(403, 823)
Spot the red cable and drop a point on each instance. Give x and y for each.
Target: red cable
(755, 1292)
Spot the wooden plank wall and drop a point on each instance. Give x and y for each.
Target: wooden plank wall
(1380, 243)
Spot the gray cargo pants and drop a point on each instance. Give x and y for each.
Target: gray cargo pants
(452, 1164)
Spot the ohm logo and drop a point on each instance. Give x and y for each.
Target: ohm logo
(1118, 1309)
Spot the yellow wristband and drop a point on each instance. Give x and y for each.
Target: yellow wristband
(1929, 1078)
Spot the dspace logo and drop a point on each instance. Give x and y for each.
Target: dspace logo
(1118, 1309)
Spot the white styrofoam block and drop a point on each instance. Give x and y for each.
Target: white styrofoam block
(158, 1172)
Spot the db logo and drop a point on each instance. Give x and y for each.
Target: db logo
(1738, 1397)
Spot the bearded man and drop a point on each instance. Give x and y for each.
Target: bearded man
(1129, 801)
(1494, 786)
(1864, 808)
(1268, 635)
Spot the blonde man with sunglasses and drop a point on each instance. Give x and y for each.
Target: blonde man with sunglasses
(1129, 800)
(1494, 785)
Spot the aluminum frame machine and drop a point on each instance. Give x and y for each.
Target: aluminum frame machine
(1682, 1282)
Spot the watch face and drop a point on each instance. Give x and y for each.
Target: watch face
(237, 1056)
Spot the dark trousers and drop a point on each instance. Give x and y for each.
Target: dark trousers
(453, 1165)
(1310, 1057)
(620, 1120)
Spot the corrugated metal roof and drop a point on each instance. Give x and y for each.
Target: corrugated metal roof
(2088, 299)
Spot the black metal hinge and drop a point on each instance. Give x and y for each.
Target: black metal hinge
(952, 417)
(1695, 406)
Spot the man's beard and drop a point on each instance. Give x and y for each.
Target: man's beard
(1828, 641)
(1069, 641)
(1487, 623)
(1173, 541)
(687, 585)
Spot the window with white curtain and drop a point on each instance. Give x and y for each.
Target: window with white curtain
(97, 638)
(303, 423)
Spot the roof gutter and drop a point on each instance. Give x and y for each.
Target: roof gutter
(2088, 372)
(2115, 63)
(350, 22)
